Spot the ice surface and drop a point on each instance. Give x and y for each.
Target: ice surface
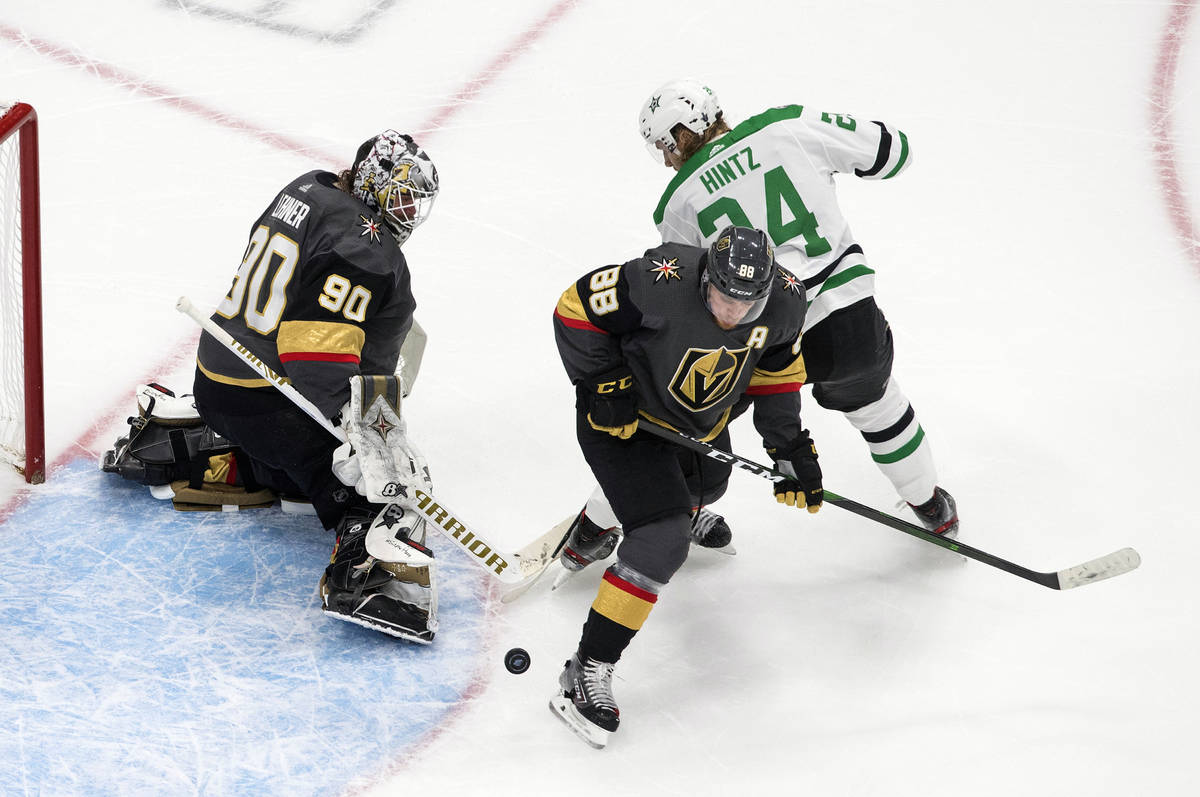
(1038, 266)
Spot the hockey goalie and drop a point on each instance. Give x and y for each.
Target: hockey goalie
(323, 298)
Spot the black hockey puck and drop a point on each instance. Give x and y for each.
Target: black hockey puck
(516, 661)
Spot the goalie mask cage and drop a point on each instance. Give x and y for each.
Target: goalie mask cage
(22, 420)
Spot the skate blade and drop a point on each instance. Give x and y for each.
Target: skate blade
(393, 631)
(564, 709)
(728, 550)
(564, 575)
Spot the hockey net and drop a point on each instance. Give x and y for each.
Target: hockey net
(22, 432)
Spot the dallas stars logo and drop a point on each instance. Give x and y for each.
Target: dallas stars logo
(790, 283)
(654, 103)
(369, 227)
(665, 270)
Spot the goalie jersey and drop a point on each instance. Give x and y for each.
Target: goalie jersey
(690, 374)
(775, 172)
(323, 293)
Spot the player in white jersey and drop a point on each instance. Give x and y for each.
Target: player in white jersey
(775, 171)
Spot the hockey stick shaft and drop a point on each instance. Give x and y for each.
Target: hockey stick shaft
(1113, 564)
(483, 553)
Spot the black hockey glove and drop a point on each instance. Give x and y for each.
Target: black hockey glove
(798, 462)
(610, 401)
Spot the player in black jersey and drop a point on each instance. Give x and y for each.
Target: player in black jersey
(323, 294)
(688, 338)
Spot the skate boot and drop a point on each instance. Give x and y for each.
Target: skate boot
(587, 543)
(939, 514)
(397, 598)
(709, 530)
(585, 700)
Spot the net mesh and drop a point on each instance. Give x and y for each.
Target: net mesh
(12, 357)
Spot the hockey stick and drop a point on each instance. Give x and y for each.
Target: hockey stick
(1114, 564)
(512, 569)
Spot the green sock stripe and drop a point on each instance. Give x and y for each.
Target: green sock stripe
(903, 451)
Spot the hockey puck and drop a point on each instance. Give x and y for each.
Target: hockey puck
(516, 661)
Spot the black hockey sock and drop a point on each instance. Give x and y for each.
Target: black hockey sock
(604, 639)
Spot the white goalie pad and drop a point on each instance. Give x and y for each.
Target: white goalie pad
(378, 460)
(388, 535)
(154, 402)
(411, 567)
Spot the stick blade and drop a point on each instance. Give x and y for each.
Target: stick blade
(1114, 564)
(533, 560)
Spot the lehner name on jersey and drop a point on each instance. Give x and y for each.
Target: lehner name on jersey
(290, 211)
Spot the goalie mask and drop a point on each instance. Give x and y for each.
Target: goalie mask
(397, 179)
(680, 102)
(738, 274)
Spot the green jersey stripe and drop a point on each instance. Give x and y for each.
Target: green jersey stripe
(746, 128)
(842, 277)
(903, 156)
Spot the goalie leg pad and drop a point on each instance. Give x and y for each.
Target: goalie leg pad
(397, 598)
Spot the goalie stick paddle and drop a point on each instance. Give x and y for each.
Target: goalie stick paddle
(515, 569)
(1113, 564)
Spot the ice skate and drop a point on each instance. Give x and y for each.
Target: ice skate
(586, 543)
(939, 514)
(709, 530)
(585, 700)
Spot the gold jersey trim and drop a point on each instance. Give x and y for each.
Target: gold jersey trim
(571, 306)
(326, 337)
(716, 430)
(794, 372)
(231, 380)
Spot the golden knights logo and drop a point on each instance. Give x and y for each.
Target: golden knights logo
(707, 376)
(790, 283)
(665, 270)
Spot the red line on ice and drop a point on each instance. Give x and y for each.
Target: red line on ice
(88, 441)
(1162, 129)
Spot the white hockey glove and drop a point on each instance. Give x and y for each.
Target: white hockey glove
(378, 461)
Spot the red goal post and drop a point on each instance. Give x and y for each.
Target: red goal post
(22, 413)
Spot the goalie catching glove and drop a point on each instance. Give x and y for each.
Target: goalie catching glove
(798, 462)
(378, 460)
(610, 402)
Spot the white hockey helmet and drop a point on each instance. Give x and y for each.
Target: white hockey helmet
(397, 179)
(684, 102)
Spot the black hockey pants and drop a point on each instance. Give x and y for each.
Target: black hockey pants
(652, 485)
(290, 453)
(848, 357)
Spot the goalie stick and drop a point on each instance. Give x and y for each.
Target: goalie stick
(1113, 564)
(512, 569)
